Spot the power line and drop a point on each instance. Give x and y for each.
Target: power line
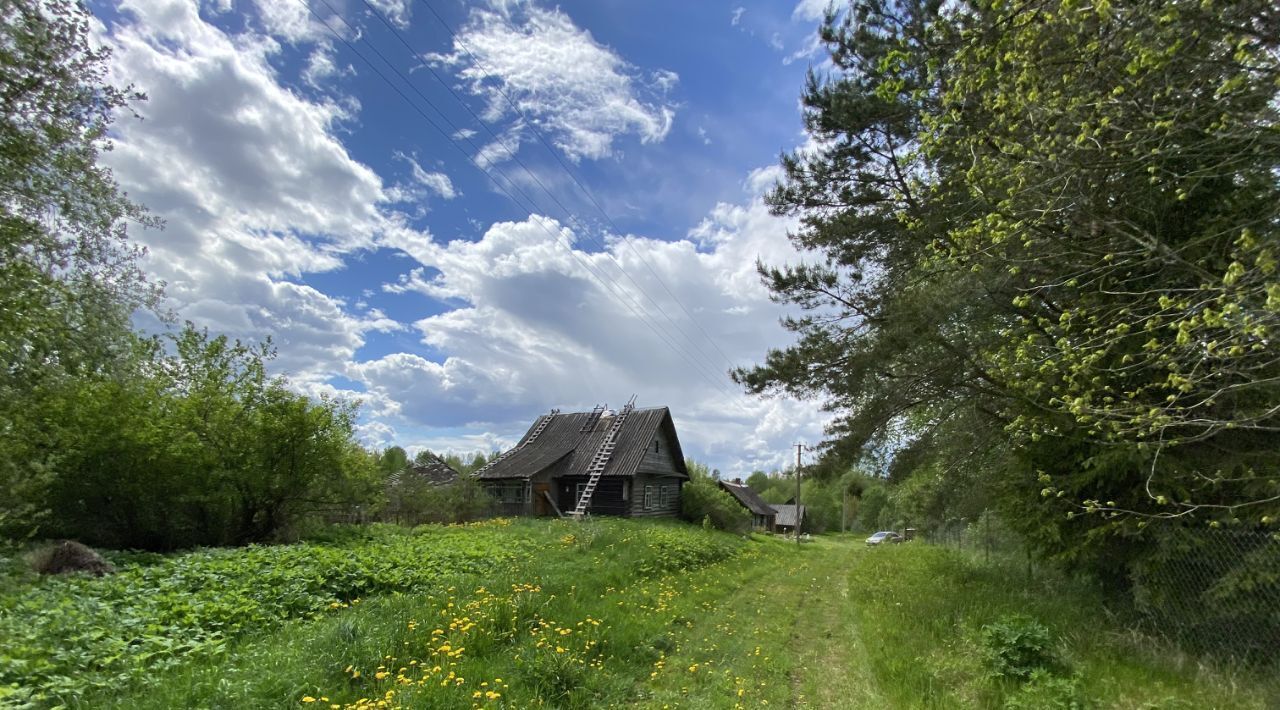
(582, 226)
(613, 291)
(570, 172)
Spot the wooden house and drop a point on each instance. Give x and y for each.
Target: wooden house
(790, 516)
(626, 463)
(762, 514)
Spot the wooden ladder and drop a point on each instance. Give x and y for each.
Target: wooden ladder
(601, 459)
(538, 428)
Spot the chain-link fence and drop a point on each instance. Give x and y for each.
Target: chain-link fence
(1214, 590)
(1210, 590)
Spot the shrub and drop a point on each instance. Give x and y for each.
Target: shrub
(1017, 646)
(1046, 691)
(417, 502)
(702, 500)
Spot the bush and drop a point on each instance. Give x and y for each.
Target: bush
(416, 502)
(703, 501)
(1017, 646)
(1046, 691)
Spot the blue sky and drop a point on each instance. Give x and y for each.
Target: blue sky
(510, 207)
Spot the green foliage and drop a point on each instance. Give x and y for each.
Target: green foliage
(69, 279)
(412, 501)
(260, 626)
(66, 637)
(702, 500)
(1045, 690)
(1016, 646)
(196, 447)
(393, 460)
(920, 610)
(1048, 276)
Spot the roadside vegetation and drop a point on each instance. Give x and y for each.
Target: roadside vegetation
(608, 613)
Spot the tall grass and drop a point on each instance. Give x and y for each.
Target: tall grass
(925, 609)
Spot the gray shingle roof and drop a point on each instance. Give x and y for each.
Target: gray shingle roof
(787, 515)
(433, 471)
(748, 498)
(565, 447)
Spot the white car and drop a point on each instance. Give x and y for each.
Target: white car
(884, 536)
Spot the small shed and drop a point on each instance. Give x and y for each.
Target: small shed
(790, 517)
(762, 514)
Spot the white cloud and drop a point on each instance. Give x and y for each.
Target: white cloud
(322, 65)
(254, 187)
(810, 48)
(258, 192)
(737, 16)
(292, 21)
(580, 92)
(397, 12)
(664, 80)
(426, 181)
(812, 10)
(538, 330)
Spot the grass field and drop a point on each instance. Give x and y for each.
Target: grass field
(616, 613)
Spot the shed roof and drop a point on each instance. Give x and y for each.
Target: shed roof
(433, 470)
(748, 498)
(563, 445)
(787, 514)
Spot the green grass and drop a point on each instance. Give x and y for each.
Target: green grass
(925, 607)
(615, 613)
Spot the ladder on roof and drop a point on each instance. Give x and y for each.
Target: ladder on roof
(538, 428)
(601, 459)
(592, 418)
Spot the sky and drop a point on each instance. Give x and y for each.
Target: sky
(465, 214)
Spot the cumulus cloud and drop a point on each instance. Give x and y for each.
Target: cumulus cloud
(545, 324)
(253, 185)
(580, 92)
(259, 191)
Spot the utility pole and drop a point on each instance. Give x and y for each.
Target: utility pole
(799, 448)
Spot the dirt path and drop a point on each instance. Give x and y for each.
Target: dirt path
(831, 664)
(778, 632)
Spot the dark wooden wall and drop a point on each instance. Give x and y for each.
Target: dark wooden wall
(669, 508)
(607, 499)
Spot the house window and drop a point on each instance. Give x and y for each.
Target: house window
(668, 496)
(512, 492)
(650, 497)
(626, 490)
(655, 446)
(577, 492)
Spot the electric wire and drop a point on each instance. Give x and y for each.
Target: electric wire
(572, 175)
(570, 216)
